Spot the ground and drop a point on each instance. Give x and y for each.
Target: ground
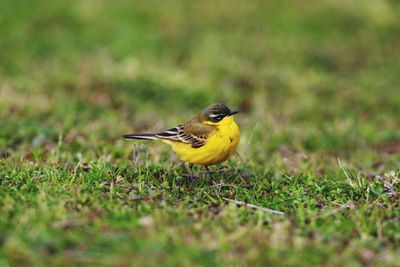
(318, 88)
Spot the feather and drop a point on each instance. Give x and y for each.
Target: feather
(141, 136)
(194, 132)
(190, 133)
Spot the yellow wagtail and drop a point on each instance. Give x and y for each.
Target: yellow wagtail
(210, 137)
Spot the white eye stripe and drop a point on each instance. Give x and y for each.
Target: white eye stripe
(214, 115)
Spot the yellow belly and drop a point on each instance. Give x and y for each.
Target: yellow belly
(220, 146)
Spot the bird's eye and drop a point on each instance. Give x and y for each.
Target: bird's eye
(216, 117)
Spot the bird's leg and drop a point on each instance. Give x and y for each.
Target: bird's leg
(191, 178)
(208, 170)
(210, 173)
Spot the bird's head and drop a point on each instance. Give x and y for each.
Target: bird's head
(217, 114)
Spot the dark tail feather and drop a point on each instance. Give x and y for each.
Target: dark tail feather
(141, 136)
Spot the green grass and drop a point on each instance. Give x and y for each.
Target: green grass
(318, 86)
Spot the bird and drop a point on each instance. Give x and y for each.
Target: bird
(209, 138)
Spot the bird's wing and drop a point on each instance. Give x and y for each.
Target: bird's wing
(192, 133)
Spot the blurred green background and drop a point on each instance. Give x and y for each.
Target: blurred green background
(315, 81)
(313, 75)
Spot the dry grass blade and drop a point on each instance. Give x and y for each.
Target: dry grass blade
(347, 206)
(248, 205)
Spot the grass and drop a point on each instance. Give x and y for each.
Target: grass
(318, 87)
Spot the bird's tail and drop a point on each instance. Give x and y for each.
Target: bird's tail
(141, 136)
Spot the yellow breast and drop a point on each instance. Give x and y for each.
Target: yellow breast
(220, 145)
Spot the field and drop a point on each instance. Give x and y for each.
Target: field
(318, 86)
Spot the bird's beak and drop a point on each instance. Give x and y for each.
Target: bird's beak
(233, 112)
